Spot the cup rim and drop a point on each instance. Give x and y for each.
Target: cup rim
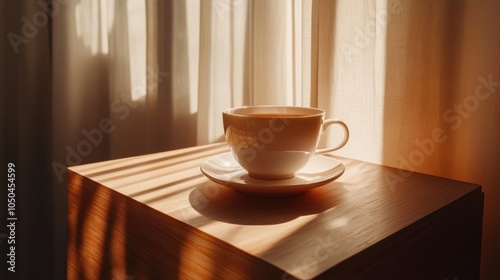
(313, 112)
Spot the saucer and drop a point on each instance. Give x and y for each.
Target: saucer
(225, 170)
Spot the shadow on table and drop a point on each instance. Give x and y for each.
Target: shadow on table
(227, 205)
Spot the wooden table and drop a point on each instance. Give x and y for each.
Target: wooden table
(157, 217)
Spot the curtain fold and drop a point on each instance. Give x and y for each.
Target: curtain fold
(25, 133)
(351, 68)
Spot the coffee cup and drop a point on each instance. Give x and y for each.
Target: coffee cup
(274, 142)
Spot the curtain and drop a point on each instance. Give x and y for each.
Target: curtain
(25, 139)
(417, 82)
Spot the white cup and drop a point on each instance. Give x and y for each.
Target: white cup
(274, 142)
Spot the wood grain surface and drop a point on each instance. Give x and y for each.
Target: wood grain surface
(157, 217)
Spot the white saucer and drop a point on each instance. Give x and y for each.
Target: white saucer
(225, 170)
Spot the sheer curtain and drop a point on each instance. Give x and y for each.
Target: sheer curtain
(417, 82)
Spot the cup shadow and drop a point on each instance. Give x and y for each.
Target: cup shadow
(224, 204)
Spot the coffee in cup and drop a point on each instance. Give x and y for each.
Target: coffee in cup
(274, 142)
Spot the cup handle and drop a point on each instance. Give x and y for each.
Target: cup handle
(325, 125)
